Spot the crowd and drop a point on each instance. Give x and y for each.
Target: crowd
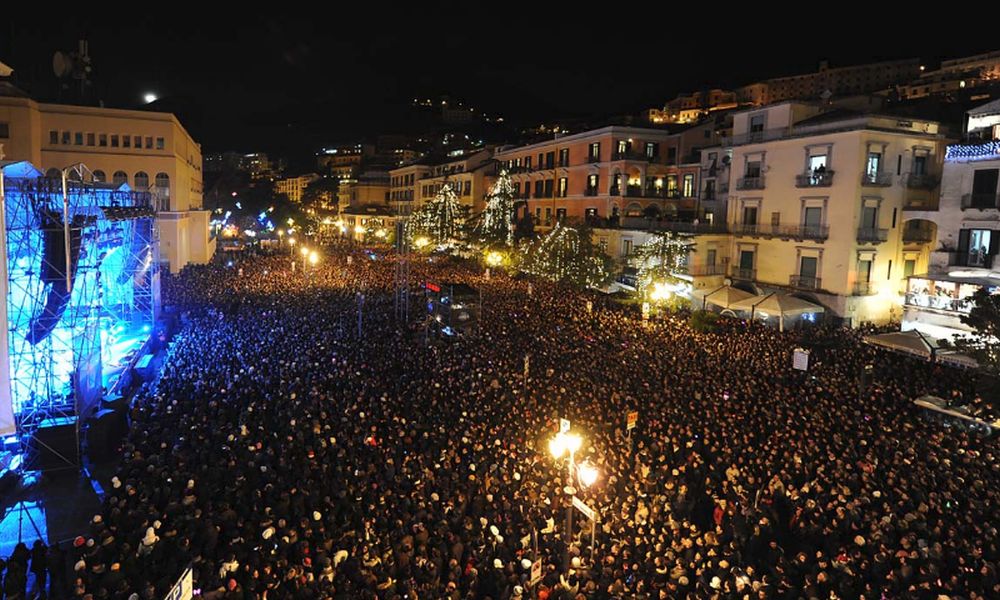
(282, 455)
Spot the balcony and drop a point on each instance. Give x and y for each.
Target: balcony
(708, 195)
(922, 182)
(935, 302)
(590, 192)
(633, 191)
(970, 259)
(918, 235)
(864, 288)
(799, 232)
(804, 282)
(814, 179)
(754, 137)
(921, 204)
(741, 273)
(750, 183)
(871, 235)
(639, 156)
(706, 270)
(643, 223)
(593, 159)
(614, 191)
(980, 201)
(876, 179)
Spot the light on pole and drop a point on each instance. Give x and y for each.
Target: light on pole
(566, 443)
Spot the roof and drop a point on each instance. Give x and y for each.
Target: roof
(990, 108)
(831, 116)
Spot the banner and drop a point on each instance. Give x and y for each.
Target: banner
(184, 588)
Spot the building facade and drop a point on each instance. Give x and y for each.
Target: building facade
(149, 151)
(817, 205)
(964, 229)
(294, 186)
(469, 173)
(344, 162)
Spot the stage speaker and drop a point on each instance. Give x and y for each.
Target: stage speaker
(104, 432)
(53, 445)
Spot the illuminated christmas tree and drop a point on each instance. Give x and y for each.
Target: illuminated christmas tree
(566, 255)
(495, 227)
(661, 261)
(440, 220)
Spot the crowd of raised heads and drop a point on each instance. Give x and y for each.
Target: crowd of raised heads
(283, 453)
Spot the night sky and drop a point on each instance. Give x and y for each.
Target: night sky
(293, 84)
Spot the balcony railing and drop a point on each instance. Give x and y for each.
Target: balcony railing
(706, 270)
(864, 288)
(741, 273)
(805, 282)
(970, 259)
(876, 179)
(750, 183)
(593, 159)
(936, 302)
(918, 235)
(814, 179)
(615, 191)
(632, 156)
(802, 232)
(920, 204)
(675, 226)
(980, 201)
(633, 191)
(753, 137)
(590, 192)
(922, 182)
(872, 235)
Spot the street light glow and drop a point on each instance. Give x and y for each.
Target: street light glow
(661, 291)
(587, 474)
(149, 97)
(494, 258)
(313, 257)
(305, 251)
(420, 242)
(563, 443)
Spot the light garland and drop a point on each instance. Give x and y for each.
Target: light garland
(566, 255)
(661, 260)
(971, 152)
(441, 219)
(495, 224)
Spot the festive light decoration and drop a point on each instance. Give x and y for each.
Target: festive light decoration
(660, 261)
(970, 152)
(494, 258)
(495, 225)
(441, 219)
(567, 255)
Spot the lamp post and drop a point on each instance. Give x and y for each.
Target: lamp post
(566, 443)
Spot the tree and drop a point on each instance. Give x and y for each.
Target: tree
(495, 226)
(984, 318)
(441, 219)
(566, 255)
(321, 194)
(661, 260)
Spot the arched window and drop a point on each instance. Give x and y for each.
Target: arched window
(163, 183)
(53, 173)
(120, 177)
(100, 177)
(141, 181)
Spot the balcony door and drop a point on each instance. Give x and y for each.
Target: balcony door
(812, 219)
(874, 165)
(749, 215)
(984, 188)
(808, 269)
(746, 260)
(869, 217)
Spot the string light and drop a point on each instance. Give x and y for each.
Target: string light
(495, 223)
(969, 152)
(660, 260)
(441, 219)
(566, 255)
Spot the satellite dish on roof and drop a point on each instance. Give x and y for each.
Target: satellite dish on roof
(62, 64)
(826, 95)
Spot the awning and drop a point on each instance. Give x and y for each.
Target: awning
(723, 297)
(917, 343)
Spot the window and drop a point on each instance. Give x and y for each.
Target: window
(978, 247)
(137, 142)
(564, 157)
(775, 219)
(548, 188)
(560, 214)
(91, 139)
(808, 267)
(756, 125)
(114, 140)
(746, 259)
(710, 257)
(812, 217)
(467, 189)
(126, 141)
(671, 186)
(163, 183)
(100, 177)
(592, 181)
(550, 160)
(626, 247)
(865, 270)
(753, 169)
(548, 216)
(817, 163)
(539, 189)
(594, 152)
(53, 137)
(671, 155)
(119, 178)
(141, 181)
(874, 164)
(622, 147)
(984, 188)
(563, 187)
(527, 162)
(149, 143)
(909, 266)
(688, 185)
(652, 149)
(102, 140)
(749, 215)
(65, 137)
(517, 189)
(78, 138)
(159, 143)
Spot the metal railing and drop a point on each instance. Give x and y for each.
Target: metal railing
(631, 155)
(876, 179)
(814, 179)
(872, 235)
(706, 270)
(750, 183)
(920, 204)
(741, 273)
(593, 159)
(864, 288)
(970, 259)
(802, 232)
(935, 302)
(918, 235)
(590, 192)
(805, 282)
(980, 201)
(922, 181)
(675, 226)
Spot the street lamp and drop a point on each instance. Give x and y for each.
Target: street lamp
(305, 251)
(313, 258)
(586, 474)
(562, 444)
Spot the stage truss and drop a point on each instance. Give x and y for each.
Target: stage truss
(82, 273)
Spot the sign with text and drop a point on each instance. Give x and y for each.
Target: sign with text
(586, 510)
(632, 420)
(184, 588)
(800, 359)
(536, 572)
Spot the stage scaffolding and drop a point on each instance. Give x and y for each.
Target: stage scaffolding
(82, 276)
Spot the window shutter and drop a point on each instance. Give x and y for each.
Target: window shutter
(963, 241)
